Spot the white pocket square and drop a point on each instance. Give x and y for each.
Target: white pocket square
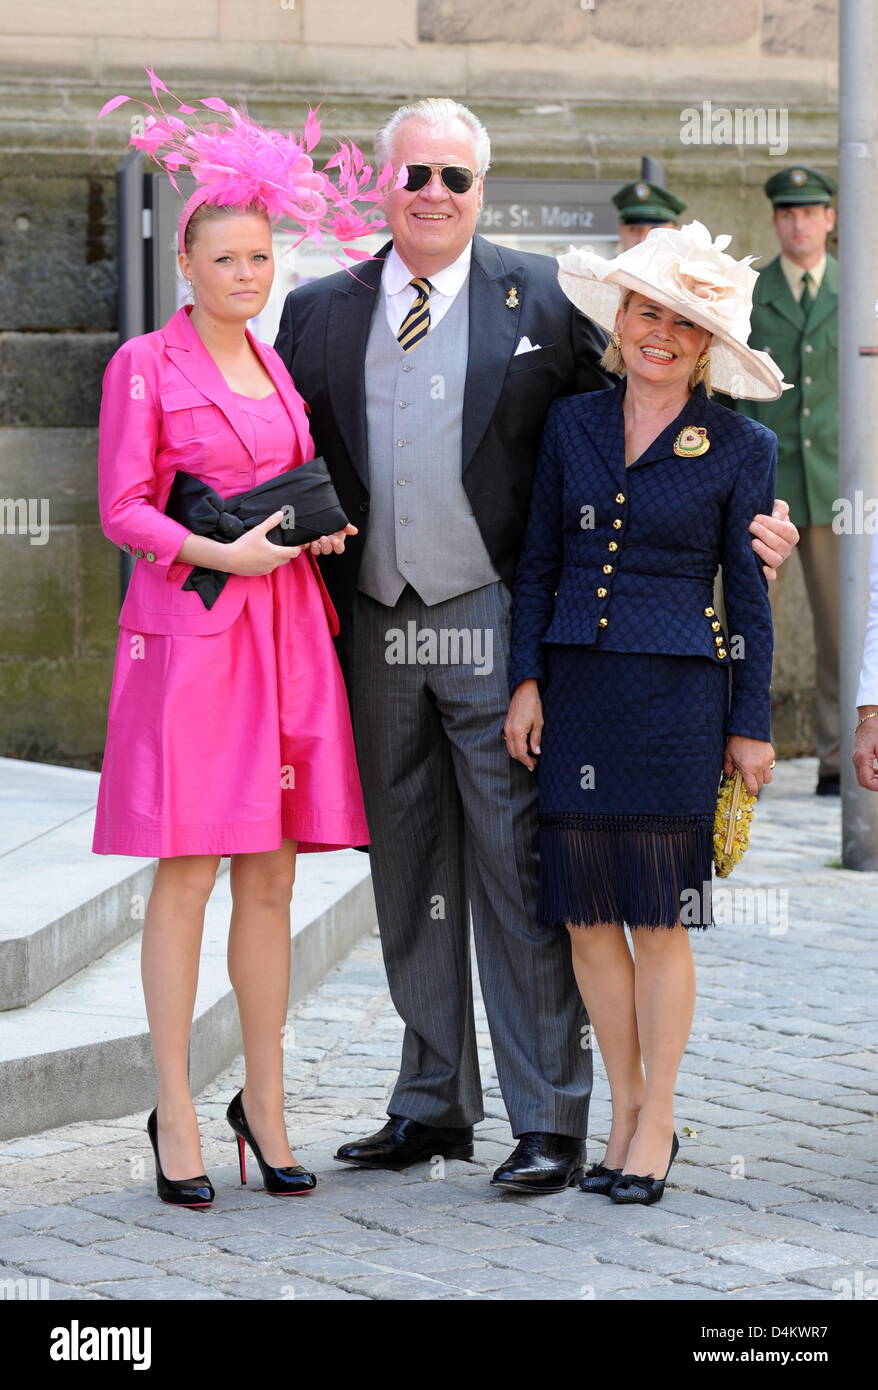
(525, 346)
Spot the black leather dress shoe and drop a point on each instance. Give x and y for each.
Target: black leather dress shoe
(402, 1142)
(829, 784)
(542, 1163)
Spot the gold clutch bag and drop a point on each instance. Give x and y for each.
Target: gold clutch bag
(731, 824)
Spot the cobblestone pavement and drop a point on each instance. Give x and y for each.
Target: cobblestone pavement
(774, 1194)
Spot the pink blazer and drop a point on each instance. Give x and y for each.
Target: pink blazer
(166, 406)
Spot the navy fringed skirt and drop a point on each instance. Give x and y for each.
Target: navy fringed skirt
(632, 752)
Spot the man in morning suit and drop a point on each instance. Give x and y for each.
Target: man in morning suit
(795, 318)
(429, 372)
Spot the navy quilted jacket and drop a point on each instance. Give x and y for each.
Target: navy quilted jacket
(625, 558)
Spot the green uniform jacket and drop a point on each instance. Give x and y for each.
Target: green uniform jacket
(805, 420)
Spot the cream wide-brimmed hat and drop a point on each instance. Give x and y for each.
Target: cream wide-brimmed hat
(682, 268)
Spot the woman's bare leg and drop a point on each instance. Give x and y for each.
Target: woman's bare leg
(259, 968)
(664, 991)
(169, 957)
(604, 970)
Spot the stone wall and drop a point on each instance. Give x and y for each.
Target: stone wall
(565, 90)
(571, 49)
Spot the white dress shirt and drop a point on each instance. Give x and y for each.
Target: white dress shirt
(400, 294)
(867, 691)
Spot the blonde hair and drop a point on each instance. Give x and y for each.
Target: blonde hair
(612, 357)
(210, 212)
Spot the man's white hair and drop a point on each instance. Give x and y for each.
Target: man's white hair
(438, 111)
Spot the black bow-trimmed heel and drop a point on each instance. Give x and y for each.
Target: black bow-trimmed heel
(599, 1179)
(178, 1192)
(292, 1181)
(631, 1187)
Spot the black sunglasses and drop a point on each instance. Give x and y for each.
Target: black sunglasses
(456, 178)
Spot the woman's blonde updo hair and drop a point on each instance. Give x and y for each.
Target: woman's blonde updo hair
(612, 358)
(209, 212)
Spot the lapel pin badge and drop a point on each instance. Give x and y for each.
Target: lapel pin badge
(512, 299)
(691, 442)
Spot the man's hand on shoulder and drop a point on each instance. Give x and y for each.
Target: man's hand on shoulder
(774, 537)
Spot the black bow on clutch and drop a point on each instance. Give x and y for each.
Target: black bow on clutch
(314, 510)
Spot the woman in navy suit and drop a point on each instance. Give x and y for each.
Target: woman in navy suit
(625, 683)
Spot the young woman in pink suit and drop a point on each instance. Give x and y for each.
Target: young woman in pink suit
(228, 727)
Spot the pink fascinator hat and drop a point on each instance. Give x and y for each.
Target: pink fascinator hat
(236, 162)
(684, 269)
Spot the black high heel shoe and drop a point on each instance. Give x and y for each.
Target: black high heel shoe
(292, 1181)
(179, 1192)
(632, 1188)
(599, 1179)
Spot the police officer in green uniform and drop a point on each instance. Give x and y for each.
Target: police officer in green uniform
(641, 207)
(795, 318)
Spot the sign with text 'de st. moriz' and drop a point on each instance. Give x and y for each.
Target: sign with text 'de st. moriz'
(549, 212)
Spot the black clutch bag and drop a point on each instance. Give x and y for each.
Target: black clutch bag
(306, 494)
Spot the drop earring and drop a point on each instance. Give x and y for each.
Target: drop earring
(615, 340)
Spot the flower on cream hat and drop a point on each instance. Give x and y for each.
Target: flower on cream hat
(682, 268)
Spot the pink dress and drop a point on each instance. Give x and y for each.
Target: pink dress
(226, 742)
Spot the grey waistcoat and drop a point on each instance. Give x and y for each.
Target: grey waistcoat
(421, 526)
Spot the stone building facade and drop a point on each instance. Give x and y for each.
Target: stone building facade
(567, 89)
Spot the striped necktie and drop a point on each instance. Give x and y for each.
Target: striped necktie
(416, 324)
(807, 298)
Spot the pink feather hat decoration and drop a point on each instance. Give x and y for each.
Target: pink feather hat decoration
(239, 162)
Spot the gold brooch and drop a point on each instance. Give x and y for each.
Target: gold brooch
(691, 442)
(512, 299)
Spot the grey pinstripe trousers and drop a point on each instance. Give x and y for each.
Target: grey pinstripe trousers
(452, 820)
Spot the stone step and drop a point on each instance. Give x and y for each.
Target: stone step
(62, 906)
(74, 1041)
(82, 1051)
